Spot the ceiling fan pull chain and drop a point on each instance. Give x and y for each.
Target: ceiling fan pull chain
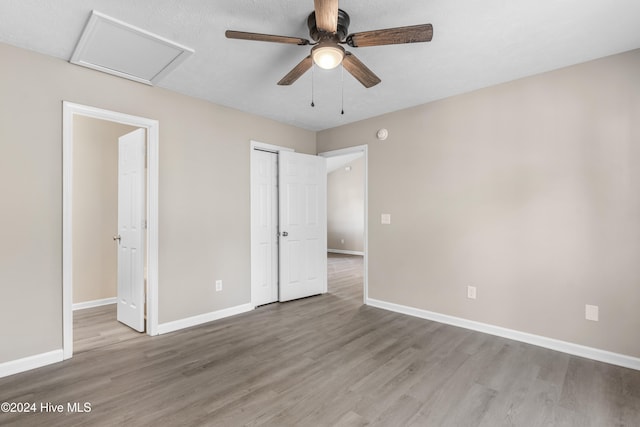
(342, 84)
(312, 75)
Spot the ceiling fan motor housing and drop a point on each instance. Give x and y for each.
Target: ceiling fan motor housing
(341, 33)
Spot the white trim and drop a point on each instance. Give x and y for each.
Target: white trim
(341, 251)
(31, 362)
(67, 227)
(268, 147)
(540, 341)
(153, 224)
(365, 149)
(94, 303)
(176, 325)
(348, 150)
(69, 110)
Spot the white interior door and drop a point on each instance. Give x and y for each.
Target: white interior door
(264, 221)
(303, 225)
(131, 238)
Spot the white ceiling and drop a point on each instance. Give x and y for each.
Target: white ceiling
(476, 44)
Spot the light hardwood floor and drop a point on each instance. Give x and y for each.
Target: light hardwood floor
(328, 360)
(98, 327)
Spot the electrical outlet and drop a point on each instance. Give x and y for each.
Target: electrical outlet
(385, 219)
(218, 285)
(591, 312)
(471, 292)
(342, 241)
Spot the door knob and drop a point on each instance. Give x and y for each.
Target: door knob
(285, 234)
(117, 237)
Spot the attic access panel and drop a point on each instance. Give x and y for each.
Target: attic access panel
(117, 48)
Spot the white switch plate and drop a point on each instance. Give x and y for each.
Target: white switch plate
(591, 312)
(218, 285)
(471, 292)
(385, 219)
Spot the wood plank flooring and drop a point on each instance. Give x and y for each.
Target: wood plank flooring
(327, 361)
(98, 327)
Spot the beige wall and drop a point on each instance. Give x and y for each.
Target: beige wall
(95, 207)
(204, 193)
(529, 191)
(345, 207)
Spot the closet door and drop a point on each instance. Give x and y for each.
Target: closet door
(303, 225)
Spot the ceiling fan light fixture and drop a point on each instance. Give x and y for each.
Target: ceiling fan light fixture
(327, 56)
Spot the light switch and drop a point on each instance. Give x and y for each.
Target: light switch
(591, 312)
(385, 218)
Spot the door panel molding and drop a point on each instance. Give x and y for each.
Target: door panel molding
(264, 223)
(303, 225)
(69, 111)
(131, 233)
(257, 268)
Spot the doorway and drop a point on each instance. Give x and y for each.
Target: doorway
(98, 188)
(344, 236)
(288, 224)
(70, 113)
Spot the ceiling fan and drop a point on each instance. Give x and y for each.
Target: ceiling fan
(328, 28)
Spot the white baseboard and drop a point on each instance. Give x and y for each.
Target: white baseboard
(31, 362)
(165, 328)
(94, 303)
(340, 251)
(540, 341)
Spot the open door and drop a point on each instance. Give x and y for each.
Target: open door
(130, 237)
(303, 225)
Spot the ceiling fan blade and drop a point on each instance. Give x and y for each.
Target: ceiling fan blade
(241, 35)
(399, 35)
(297, 71)
(326, 15)
(360, 71)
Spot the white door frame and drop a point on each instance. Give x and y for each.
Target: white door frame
(69, 111)
(351, 150)
(273, 149)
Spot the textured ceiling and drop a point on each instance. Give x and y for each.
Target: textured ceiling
(476, 44)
